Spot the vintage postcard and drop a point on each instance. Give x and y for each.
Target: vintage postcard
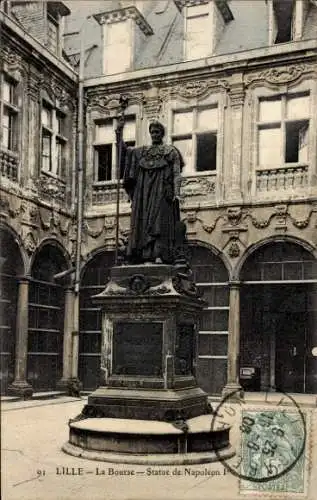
(158, 249)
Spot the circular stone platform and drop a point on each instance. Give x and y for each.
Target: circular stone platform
(148, 441)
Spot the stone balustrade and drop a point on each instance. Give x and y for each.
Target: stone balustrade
(282, 178)
(9, 165)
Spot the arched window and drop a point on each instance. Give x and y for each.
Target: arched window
(11, 266)
(278, 319)
(211, 275)
(46, 319)
(93, 282)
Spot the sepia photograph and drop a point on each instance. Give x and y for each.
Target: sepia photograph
(158, 249)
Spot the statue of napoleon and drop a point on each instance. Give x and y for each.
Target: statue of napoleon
(152, 181)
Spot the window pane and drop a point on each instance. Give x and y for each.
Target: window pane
(105, 133)
(209, 344)
(296, 142)
(270, 110)
(46, 116)
(46, 151)
(185, 146)
(270, 142)
(183, 122)
(104, 162)
(60, 119)
(60, 159)
(206, 152)
(197, 37)
(7, 91)
(5, 129)
(129, 129)
(298, 107)
(208, 119)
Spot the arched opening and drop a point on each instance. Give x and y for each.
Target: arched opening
(93, 281)
(46, 319)
(278, 319)
(11, 266)
(211, 276)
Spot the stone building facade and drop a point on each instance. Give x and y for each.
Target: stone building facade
(37, 214)
(236, 89)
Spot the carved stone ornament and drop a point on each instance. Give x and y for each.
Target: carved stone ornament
(10, 57)
(119, 15)
(282, 214)
(30, 243)
(193, 89)
(50, 187)
(279, 76)
(234, 249)
(4, 207)
(100, 100)
(152, 107)
(234, 215)
(197, 186)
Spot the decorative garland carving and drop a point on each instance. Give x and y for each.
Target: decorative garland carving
(279, 76)
(281, 212)
(193, 89)
(191, 218)
(101, 101)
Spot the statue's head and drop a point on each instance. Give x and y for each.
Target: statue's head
(157, 132)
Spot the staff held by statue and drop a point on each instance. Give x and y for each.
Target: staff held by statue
(119, 147)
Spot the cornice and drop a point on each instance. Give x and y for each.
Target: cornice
(251, 60)
(221, 4)
(116, 16)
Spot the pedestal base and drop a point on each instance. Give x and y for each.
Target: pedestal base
(233, 392)
(141, 404)
(21, 389)
(148, 442)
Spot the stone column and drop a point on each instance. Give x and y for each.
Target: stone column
(236, 108)
(20, 386)
(67, 339)
(233, 386)
(75, 338)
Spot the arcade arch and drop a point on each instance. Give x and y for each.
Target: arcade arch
(278, 318)
(46, 318)
(11, 268)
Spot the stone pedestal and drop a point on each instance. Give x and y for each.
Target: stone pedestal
(149, 356)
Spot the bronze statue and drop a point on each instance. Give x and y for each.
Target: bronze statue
(152, 181)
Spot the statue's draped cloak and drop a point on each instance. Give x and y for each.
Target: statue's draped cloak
(152, 176)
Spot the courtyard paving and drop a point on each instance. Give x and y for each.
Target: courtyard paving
(35, 468)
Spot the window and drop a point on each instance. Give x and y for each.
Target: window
(52, 30)
(105, 147)
(195, 135)
(283, 125)
(9, 114)
(287, 19)
(53, 140)
(198, 28)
